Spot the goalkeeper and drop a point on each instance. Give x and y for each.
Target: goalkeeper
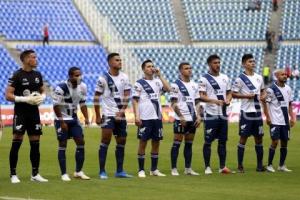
(25, 89)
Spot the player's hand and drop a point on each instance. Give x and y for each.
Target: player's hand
(33, 100)
(219, 102)
(64, 126)
(98, 120)
(292, 123)
(120, 116)
(268, 121)
(250, 96)
(227, 102)
(138, 122)
(87, 122)
(197, 122)
(263, 97)
(182, 121)
(157, 72)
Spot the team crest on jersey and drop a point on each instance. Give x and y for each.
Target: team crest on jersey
(258, 80)
(224, 80)
(157, 84)
(26, 92)
(37, 80)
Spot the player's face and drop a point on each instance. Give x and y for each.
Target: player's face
(75, 78)
(149, 69)
(115, 62)
(215, 65)
(249, 64)
(281, 76)
(31, 60)
(186, 71)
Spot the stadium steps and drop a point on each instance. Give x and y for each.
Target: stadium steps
(181, 22)
(270, 58)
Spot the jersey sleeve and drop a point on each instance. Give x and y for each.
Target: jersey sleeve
(202, 85)
(13, 80)
(41, 80)
(174, 94)
(127, 85)
(262, 86)
(58, 96)
(100, 86)
(137, 90)
(291, 98)
(83, 93)
(237, 85)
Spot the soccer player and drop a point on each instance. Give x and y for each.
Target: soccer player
(279, 100)
(184, 98)
(249, 87)
(25, 89)
(114, 88)
(147, 112)
(66, 98)
(215, 90)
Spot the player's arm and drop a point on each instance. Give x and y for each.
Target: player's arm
(135, 104)
(125, 101)
(292, 115)
(236, 91)
(176, 109)
(58, 114)
(198, 112)
(228, 97)
(58, 97)
(206, 99)
(268, 100)
(263, 97)
(83, 107)
(97, 96)
(165, 85)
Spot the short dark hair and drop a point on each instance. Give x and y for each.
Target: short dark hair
(145, 62)
(182, 64)
(247, 57)
(111, 55)
(25, 53)
(72, 70)
(212, 57)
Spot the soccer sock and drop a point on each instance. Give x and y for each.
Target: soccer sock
(13, 155)
(141, 161)
(119, 153)
(283, 153)
(188, 153)
(35, 156)
(206, 154)
(79, 157)
(271, 155)
(154, 161)
(102, 156)
(174, 153)
(259, 155)
(240, 152)
(62, 159)
(222, 154)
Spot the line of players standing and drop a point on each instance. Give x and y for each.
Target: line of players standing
(26, 90)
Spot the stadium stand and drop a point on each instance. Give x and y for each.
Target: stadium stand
(289, 55)
(226, 20)
(141, 20)
(168, 59)
(290, 20)
(7, 64)
(54, 62)
(65, 22)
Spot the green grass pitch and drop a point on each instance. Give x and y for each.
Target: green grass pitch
(251, 185)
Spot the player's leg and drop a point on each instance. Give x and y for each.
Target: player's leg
(259, 153)
(177, 139)
(188, 151)
(222, 152)
(106, 133)
(34, 130)
(284, 137)
(141, 158)
(18, 133)
(120, 134)
(275, 135)
(156, 136)
(209, 136)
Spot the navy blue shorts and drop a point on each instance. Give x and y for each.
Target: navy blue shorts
(188, 129)
(150, 129)
(250, 124)
(280, 132)
(29, 122)
(74, 130)
(118, 127)
(215, 127)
